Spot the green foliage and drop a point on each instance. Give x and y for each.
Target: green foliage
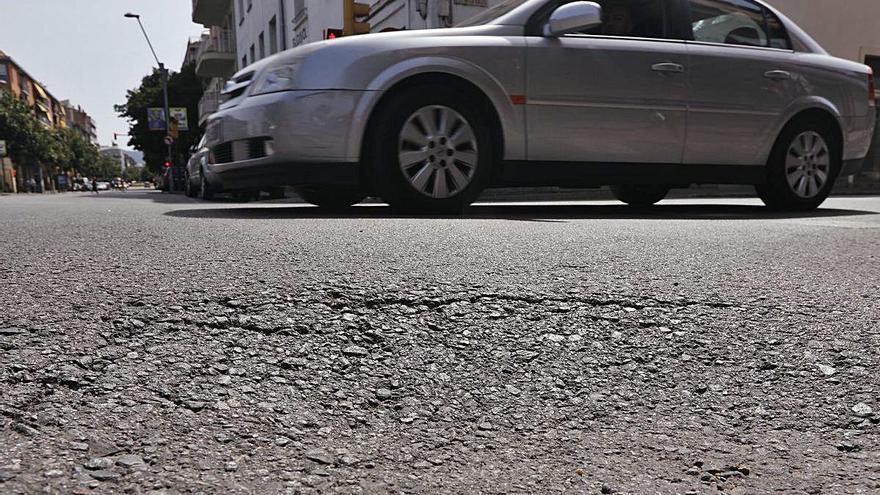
(81, 155)
(26, 139)
(29, 143)
(184, 90)
(133, 173)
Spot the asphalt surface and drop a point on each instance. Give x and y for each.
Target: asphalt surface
(152, 343)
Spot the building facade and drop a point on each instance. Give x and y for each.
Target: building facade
(241, 32)
(78, 120)
(431, 14)
(50, 112)
(124, 159)
(265, 27)
(215, 55)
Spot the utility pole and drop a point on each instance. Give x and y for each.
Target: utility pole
(167, 117)
(164, 73)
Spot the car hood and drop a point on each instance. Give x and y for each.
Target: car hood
(353, 46)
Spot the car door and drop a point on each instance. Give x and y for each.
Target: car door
(617, 93)
(741, 80)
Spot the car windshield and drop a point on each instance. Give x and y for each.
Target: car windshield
(492, 14)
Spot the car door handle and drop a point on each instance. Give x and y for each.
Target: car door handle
(780, 75)
(667, 67)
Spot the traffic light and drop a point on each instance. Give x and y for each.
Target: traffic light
(174, 132)
(332, 33)
(167, 164)
(351, 12)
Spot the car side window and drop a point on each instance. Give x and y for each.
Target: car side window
(736, 22)
(631, 19)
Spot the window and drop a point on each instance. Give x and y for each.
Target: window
(873, 61)
(4, 74)
(243, 62)
(262, 43)
(736, 22)
(24, 85)
(250, 5)
(631, 18)
(273, 36)
(253, 54)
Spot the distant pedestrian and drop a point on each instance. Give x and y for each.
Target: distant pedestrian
(95, 185)
(31, 185)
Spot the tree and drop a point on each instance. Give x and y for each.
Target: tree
(132, 174)
(184, 90)
(106, 167)
(26, 139)
(81, 155)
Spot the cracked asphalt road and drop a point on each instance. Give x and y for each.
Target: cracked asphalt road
(154, 344)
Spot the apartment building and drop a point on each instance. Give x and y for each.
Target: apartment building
(215, 55)
(267, 26)
(425, 14)
(48, 110)
(78, 120)
(14, 79)
(124, 159)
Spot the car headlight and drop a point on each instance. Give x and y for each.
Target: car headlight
(274, 79)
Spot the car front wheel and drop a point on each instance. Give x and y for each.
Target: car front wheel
(188, 187)
(802, 167)
(433, 151)
(205, 192)
(640, 195)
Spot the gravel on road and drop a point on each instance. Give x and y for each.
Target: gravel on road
(154, 344)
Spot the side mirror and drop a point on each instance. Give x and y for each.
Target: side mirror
(574, 16)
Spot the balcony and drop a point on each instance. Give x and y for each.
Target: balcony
(210, 12)
(216, 54)
(209, 103)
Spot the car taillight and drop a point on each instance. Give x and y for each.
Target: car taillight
(872, 89)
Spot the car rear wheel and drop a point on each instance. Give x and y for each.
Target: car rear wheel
(640, 195)
(802, 167)
(433, 151)
(331, 197)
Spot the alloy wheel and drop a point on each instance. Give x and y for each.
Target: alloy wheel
(807, 164)
(437, 151)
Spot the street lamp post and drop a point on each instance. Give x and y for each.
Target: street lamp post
(164, 73)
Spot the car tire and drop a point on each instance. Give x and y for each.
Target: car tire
(331, 197)
(432, 150)
(640, 195)
(802, 168)
(188, 188)
(205, 192)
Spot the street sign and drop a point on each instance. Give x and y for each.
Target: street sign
(179, 113)
(156, 118)
(2, 149)
(169, 140)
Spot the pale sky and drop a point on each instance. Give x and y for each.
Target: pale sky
(85, 51)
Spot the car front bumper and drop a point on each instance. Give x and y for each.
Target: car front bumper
(284, 138)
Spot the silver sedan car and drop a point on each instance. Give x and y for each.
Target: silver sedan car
(639, 95)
